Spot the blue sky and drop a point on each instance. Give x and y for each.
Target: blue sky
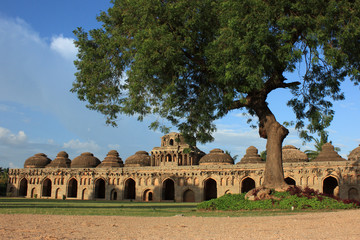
(39, 114)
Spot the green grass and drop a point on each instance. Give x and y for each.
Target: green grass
(115, 208)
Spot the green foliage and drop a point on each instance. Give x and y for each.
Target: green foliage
(192, 61)
(307, 199)
(3, 180)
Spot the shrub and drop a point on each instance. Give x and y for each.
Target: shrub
(294, 197)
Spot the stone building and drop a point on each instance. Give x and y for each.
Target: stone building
(177, 172)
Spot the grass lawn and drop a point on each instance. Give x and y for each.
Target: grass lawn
(116, 208)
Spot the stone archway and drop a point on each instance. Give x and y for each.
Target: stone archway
(210, 189)
(129, 190)
(46, 188)
(72, 188)
(290, 181)
(100, 188)
(247, 184)
(189, 196)
(57, 191)
(168, 191)
(83, 194)
(23, 187)
(329, 185)
(113, 194)
(148, 195)
(33, 193)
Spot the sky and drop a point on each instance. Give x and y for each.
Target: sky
(38, 113)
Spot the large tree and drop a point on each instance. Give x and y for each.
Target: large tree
(193, 61)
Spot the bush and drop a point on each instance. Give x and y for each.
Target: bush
(294, 197)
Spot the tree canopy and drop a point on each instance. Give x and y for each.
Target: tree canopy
(193, 61)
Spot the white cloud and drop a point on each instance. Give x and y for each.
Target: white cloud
(114, 146)
(79, 146)
(7, 137)
(64, 46)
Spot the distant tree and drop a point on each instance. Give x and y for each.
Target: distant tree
(312, 154)
(233, 157)
(3, 180)
(193, 61)
(263, 155)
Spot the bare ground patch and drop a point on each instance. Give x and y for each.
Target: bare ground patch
(323, 225)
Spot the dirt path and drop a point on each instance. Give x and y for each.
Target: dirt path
(328, 225)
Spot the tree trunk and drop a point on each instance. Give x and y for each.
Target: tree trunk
(274, 173)
(275, 133)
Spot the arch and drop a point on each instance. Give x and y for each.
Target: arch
(83, 194)
(210, 189)
(329, 185)
(168, 190)
(168, 158)
(57, 193)
(113, 194)
(290, 181)
(171, 142)
(148, 195)
(46, 188)
(72, 188)
(33, 193)
(353, 194)
(23, 187)
(247, 184)
(100, 188)
(189, 196)
(129, 191)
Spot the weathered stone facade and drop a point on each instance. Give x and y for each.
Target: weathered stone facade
(176, 172)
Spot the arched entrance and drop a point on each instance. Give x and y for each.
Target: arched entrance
(23, 187)
(46, 188)
(168, 190)
(210, 189)
(129, 192)
(100, 188)
(148, 195)
(72, 188)
(189, 196)
(329, 184)
(33, 193)
(353, 194)
(57, 193)
(290, 181)
(247, 184)
(113, 195)
(83, 194)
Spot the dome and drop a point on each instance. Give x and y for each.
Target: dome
(355, 154)
(251, 156)
(111, 160)
(328, 154)
(85, 160)
(39, 160)
(216, 156)
(139, 159)
(61, 161)
(292, 154)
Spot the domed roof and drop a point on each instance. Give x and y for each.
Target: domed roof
(251, 156)
(355, 154)
(61, 161)
(292, 154)
(328, 153)
(39, 160)
(139, 159)
(85, 160)
(216, 156)
(111, 160)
